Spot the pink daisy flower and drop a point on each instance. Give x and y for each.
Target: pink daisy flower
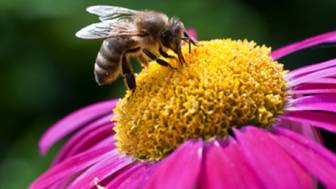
(272, 143)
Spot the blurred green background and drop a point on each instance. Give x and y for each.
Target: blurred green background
(46, 72)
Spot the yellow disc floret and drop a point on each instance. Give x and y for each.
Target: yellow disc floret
(223, 84)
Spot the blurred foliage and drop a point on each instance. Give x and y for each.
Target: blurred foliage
(46, 72)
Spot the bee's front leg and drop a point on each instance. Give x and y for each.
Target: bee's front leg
(164, 54)
(155, 58)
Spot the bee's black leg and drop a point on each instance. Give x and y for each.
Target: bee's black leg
(155, 58)
(126, 69)
(164, 54)
(190, 40)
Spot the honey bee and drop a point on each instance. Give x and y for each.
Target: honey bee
(131, 33)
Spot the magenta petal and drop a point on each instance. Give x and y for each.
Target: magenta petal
(101, 170)
(138, 180)
(311, 68)
(322, 102)
(329, 37)
(91, 139)
(303, 129)
(310, 88)
(71, 166)
(99, 128)
(315, 158)
(192, 33)
(313, 91)
(127, 177)
(322, 120)
(63, 183)
(226, 167)
(324, 81)
(74, 121)
(180, 169)
(270, 162)
(312, 76)
(315, 86)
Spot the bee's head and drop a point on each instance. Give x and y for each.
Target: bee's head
(172, 36)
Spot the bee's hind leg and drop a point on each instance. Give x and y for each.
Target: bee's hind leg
(155, 58)
(127, 70)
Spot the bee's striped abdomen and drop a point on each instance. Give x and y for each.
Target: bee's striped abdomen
(107, 67)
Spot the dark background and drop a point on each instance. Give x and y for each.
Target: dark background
(46, 72)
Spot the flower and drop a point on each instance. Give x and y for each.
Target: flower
(232, 117)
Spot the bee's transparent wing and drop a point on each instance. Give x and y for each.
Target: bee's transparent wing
(106, 12)
(108, 28)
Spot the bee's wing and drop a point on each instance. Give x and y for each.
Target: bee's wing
(106, 12)
(107, 29)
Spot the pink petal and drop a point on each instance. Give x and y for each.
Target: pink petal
(127, 177)
(270, 162)
(91, 140)
(192, 33)
(63, 183)
(318, 119)
(313, 91)
(101, 170)
(183, 166)
(315, 158)
(226, 167)
(322, 102)
(311, 68)
(303, 129)
(138, 180)
(315, 86)
(324, 81)
(74, 121)
(309, 88)
(72, 145)
(71, 166)
(107, 141)
(312, 76)
(329, 37)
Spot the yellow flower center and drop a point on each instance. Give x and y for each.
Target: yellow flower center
(223, 84)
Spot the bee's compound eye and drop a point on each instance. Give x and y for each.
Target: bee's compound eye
(166, 37)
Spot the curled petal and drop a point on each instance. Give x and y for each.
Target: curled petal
(90, 140)
(311, 68)
(74, 121)
(329, 37)
(71, 166)
(86, 137)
